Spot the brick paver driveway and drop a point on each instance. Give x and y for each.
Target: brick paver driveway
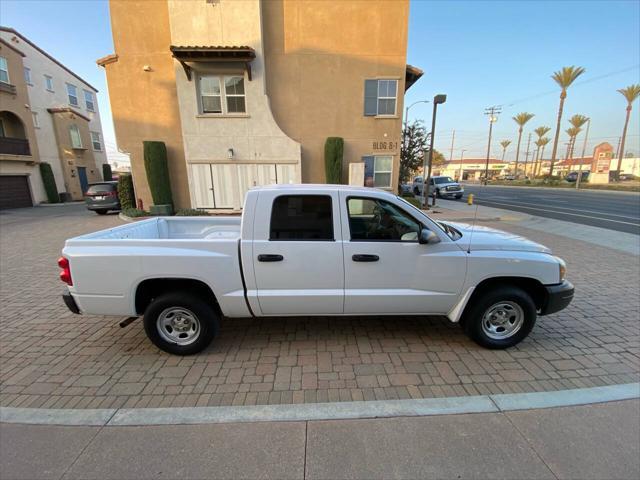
(52, 358)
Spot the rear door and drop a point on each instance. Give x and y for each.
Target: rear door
(297, 253)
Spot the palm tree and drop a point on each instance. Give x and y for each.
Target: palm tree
(573, 133)
(540, 132)
(541, 142)
(521, 119)
(577, 121)
(631, 93)
(505, 144)
(564, 78)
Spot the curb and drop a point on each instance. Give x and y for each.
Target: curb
(320, 411)
(604, 190)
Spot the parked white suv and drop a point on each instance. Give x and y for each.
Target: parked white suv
(445, 187)
(312, 250)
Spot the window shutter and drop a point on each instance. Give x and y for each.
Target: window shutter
(369, 161)
(370, 98)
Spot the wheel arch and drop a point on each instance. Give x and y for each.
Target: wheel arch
(151, 288)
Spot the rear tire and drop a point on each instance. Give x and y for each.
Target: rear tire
(180, 323)
(458, 197)
(101, 212)
(500, 318)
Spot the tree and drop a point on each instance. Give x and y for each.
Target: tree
(504, 144)
(521, 119)
(542, 142)
(413, 151)
(540, 132)
(631, 93)
(573, 133)
(157, 170)
(333, 152)
(577, 122)
(564, 78)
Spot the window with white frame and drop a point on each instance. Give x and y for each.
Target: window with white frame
(95, 141)
(380, 97)
(36, 122)
(48, 82)
(27, 76)
(215, 99)
(4, 70)
(72, 93)
(88, 100)
(377, 171)
(76, 139)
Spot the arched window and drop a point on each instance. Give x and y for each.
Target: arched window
(76, 139)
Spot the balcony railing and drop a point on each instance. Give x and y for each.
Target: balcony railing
(14, 146)
(8, 88)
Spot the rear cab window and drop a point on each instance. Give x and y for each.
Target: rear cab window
(302, 218)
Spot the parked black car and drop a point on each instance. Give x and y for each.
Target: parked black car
(102, 197)
(573, 176)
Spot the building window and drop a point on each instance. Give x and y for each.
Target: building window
(48, 82)
(2, 132)
(36, 122)
(72, 93)
(377, 171)
(76, 139)
(234, 92)
(95, 141)
(380, 97)
(4, 70)
(214, 100)
(302, 218)
(27, 76)
(88, 100)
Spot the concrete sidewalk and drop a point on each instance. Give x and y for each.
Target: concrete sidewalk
(594, 441)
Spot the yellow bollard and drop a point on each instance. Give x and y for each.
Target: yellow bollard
(470, 199)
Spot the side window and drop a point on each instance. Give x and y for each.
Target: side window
(301, 217)
(380, 97)
(372, 220)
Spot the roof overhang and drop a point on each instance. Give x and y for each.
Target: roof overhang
(67, 110)
(411, 76)
(112, 58)
(217, 54)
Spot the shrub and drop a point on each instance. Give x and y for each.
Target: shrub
(191, 212)
(155, 165)
(134, 212)
(49, 183)
(107, 175)
(413, 201)
(125, 192)
(333, 151)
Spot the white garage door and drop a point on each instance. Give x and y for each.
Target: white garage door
(225, 185)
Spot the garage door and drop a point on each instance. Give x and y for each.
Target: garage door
(14, 191)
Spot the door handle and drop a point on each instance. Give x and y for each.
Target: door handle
(270, 257)
(363, 257)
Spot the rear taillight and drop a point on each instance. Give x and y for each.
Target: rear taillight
(111, 194)
(65, 274)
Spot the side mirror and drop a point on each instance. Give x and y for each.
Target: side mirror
(427, 236)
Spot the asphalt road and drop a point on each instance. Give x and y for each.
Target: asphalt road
(612, 210)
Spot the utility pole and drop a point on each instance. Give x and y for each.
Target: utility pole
(461, 158)
(584, 150)
(453, 137)
(526, 157)
(618, 148)
(493, 113)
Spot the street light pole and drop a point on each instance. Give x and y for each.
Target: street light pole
(492, 112)
(438, 99)
(461, 158)
(406, 120)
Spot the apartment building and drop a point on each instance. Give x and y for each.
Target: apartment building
(246, 92)
(47, 114)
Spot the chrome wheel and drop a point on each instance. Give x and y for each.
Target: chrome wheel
(502, 320)
(178, 325)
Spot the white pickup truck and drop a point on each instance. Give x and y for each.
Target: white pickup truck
(305, 250)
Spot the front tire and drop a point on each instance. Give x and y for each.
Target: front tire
(101, 212)
(416, 192)
(458, 197)
(180, 323)
(500, 318)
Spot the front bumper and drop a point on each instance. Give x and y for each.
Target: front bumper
(70, 303)
(559, 296)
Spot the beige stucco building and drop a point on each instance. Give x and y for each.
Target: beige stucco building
(246, 92)
(47, 114)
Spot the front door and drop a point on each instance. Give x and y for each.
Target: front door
(82, 176)
(387, 270)
(297, 253)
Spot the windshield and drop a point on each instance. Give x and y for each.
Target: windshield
(444, 180)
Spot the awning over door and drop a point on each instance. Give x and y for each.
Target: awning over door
(214, 54)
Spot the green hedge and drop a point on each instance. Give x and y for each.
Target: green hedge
(155, 164)
(125, 192)
(191, 212)
(333, 151)
(49, 183)
(134, 212)
(107, 174)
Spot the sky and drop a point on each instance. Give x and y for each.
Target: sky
(478, 53)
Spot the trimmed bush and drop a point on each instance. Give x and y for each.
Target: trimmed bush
(134, 212)
(49, 183)
(155, 164)
(125, 192)
(107, 175)
(191, 212)
(413, 201)
(333, 151)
